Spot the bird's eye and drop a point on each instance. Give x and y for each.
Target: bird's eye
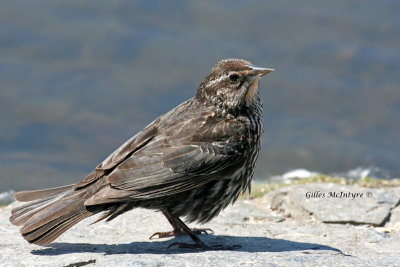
(234, 78)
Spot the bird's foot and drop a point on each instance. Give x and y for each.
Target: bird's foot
(197, 231)
(203, 246)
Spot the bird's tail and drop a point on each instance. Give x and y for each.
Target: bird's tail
(50, 212)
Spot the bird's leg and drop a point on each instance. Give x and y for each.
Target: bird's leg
(198, 243)
(178, 230)
(183, 229)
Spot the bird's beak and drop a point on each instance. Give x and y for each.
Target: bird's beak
(254, 75)
(257, 71)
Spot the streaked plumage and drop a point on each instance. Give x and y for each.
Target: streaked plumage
(190, 162)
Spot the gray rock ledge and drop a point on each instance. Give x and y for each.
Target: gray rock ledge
(283, 228)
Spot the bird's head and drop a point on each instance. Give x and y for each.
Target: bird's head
(231, 84)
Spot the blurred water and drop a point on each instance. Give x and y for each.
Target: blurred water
(78, 78)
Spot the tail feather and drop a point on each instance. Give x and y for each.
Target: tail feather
(25, 196)
(54, 210)
(23, 213)
(47, 233)
(51, 212)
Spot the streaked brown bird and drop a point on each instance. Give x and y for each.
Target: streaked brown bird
(191, 162)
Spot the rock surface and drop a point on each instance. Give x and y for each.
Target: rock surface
(275, 230)
(333, 203)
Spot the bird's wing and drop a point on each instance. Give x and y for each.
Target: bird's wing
(169, 165)
(119, 155)
(131, 146)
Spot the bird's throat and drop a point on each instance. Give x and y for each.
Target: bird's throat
(252, 92)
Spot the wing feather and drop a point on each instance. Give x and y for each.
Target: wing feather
(119, 155)
(174, 166)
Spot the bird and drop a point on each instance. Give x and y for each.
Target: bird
(191, 163)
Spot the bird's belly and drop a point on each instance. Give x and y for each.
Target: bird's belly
(205, 202)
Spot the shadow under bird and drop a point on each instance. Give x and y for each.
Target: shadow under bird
(191, 162)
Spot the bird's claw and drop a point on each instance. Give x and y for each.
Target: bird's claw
(197, 231)
(163, 234)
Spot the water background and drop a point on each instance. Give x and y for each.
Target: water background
(78, 78)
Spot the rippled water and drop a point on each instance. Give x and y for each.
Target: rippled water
(78, 78)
